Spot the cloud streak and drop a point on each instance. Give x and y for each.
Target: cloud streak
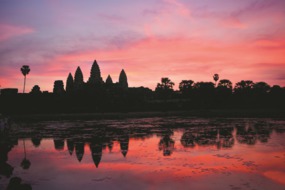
(9, 31)
(180, 39)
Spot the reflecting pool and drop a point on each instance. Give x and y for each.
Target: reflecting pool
(144, 153)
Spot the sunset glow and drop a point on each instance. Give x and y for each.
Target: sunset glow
(179, 39)
(143, 157)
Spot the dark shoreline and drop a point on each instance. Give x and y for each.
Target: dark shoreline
(212, 113)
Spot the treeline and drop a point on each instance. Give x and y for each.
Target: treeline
(220, 94)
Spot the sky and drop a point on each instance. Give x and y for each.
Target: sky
(149, 39)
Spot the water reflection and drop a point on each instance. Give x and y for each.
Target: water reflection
(251, 133)
(96, 150)
(124, 144)
(25, 164)
(226, 138)
(6, 144)
(103, 135)
(166, 144)
(15, 183)
(167, 134)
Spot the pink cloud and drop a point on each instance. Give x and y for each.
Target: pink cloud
(269, 44)
(179, 7)
(10, 31)
(233, 22)
(178, 58)
(168, 38)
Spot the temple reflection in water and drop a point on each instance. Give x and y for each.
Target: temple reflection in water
(102, 135)
(132, 142)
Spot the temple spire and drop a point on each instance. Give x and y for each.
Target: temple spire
(78, 79)
(69, 84)
(95, 74)
(123, 80)
(109, 80)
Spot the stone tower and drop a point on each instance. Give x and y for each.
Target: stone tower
(123, 80)
(95, 74)
(109, 80)
(78, 79)
(58, 87)
(69, 84)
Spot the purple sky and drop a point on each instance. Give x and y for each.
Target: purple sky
(150, 39)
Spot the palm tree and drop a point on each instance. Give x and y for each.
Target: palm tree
(166, 84)
(25, 70)
(216, 78)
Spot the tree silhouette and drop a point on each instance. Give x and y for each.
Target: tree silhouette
(185, 86)
(277, 93)
(204, 87)
(36, 90)
(165, 88)
(25, 70)
(216, 78)
(225, 83)
(166, 84)
(261, 88)
(224, 89)
(244, 86)
(204, 93)
(276, 89)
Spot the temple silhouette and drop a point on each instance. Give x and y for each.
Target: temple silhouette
(76, 84)
(96, 95)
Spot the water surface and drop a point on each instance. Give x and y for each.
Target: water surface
(146, 153)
